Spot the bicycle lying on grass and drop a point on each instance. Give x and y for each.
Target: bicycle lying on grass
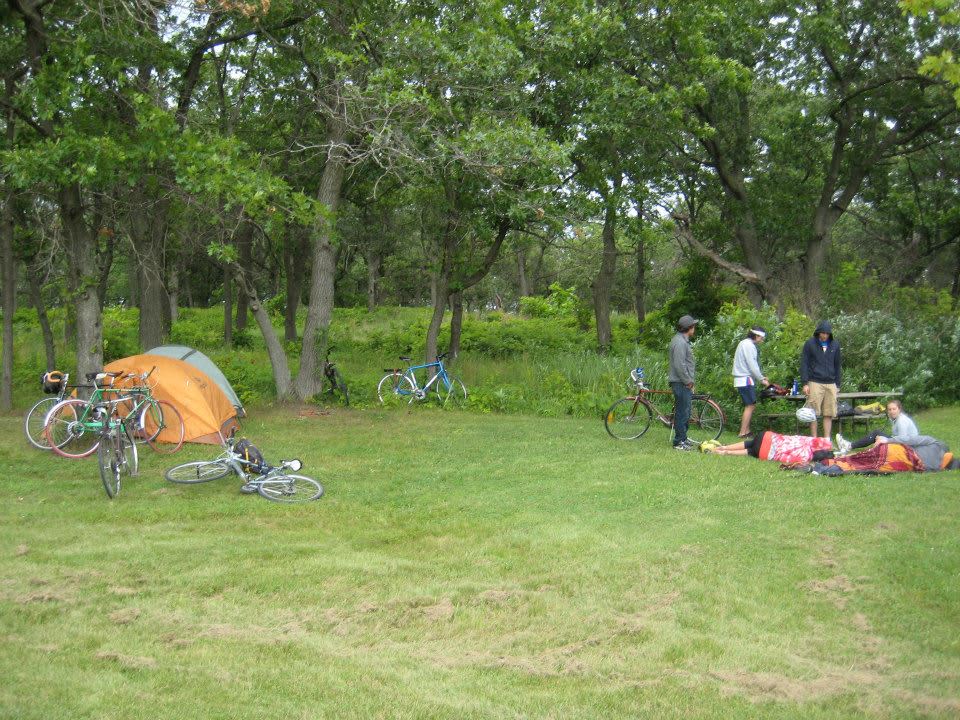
(400, 386)
(630, 417)
(276, 483)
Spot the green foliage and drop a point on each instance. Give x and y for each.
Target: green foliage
(779, 354)
(561, 302)
(547, 366)
(120, 338)
(200, 329)
(699, 293)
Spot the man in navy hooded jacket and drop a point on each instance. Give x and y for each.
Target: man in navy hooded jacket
(820, 374)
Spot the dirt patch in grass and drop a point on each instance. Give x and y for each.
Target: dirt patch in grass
(835, 588)
(133, 662)
(763, 687)
(496, 597)
(41, 596)
(440, 611)
(122, 591)
(124, 616)
(21, 550)
(930, 705)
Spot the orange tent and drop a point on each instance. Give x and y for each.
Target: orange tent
(205, 409)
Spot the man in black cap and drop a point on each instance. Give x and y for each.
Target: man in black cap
(682, 368)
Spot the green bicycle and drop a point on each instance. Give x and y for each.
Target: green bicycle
(73, 429)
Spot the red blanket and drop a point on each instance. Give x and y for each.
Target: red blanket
(882, 457)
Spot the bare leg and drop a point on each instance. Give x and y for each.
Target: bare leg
(730, 450)
(827, 426)
(737, 448)
(745, 420)
(813, 429)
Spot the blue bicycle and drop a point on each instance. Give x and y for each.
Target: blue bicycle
(400, 386)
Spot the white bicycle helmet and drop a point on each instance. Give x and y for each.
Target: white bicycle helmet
(806, 415)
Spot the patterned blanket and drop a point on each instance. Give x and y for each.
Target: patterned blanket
(882, 457)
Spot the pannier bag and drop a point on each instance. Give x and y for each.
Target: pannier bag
(52, 382)
(249, 452)
(845, 409)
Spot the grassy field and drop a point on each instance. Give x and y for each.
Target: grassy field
(478, 566)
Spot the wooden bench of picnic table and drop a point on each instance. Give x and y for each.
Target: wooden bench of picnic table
(867, 419)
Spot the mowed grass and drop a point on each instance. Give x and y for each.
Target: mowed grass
(478, 566)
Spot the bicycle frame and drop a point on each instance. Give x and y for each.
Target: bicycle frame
(241, 467)
(441, 373)
(624, 419)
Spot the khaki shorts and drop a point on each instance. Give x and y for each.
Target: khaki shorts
(823, 399)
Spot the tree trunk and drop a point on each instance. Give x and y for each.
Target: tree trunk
(278, 358)
(955, 286)
(317, 326)
(133, 284)
(82, 254)
(523, 285)
(374, 263)
(173, 293)
(436, 319)
(244, 242)
(640, 282)
(456, 324)
(36, 297)
(9, 281)
(105, 260)
(294, 256)
(227, 307)
(148, 227)
(603, 282)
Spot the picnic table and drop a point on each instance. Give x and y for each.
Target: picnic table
(861, 397)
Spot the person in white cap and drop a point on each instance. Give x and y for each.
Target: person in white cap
(680, 377)
(747, 373)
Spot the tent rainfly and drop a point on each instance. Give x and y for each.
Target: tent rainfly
(206, 410)
(204, 364)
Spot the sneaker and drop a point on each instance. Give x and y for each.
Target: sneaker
(709, 446)
(686, 445)
(843, 444)
(248, 488)
(745, 436)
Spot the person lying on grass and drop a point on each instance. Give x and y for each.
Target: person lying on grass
(920, 453)
(902, 428)
(768, 445)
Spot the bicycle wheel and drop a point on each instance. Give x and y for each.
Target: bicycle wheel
(289, 488)
(35, 421)
(395, 389)
(453, 396)
(71, 430)
(199, 471)
(131, 456)
(628, 418)
(162, 426)
(110, 455)
(337, 385)
(706, 420)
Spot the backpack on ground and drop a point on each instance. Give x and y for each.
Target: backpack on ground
(251, 454)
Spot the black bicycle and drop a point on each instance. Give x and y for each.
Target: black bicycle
(335, 386)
